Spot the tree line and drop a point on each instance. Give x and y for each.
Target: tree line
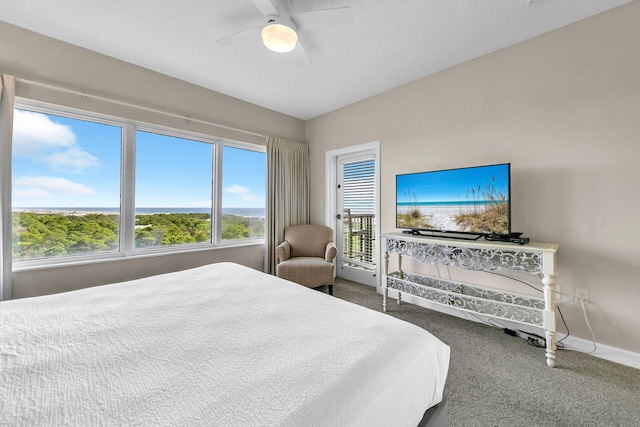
(40, 235)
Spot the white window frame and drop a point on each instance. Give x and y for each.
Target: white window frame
(218, 191)
(127, 187)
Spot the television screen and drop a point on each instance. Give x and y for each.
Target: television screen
(467, 200)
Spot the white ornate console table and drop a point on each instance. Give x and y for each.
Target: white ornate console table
(534, 258)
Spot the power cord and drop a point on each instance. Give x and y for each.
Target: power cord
(539, 290)
(560, 344)
(467, 314)
(586, 319)
(534, 339)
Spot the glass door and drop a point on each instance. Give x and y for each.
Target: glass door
(356, 218)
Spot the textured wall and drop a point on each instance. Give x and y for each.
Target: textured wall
(32, 57)
(564, 109)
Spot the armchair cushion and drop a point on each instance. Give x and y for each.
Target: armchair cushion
(308, 271)
(308, 240)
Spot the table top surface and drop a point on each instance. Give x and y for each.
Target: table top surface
(481, 243)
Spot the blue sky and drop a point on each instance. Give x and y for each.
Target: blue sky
(449, 185)
(60, 162)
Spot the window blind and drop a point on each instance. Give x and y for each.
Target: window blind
(359, 220)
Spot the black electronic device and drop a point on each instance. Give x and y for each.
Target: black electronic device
(511, 238)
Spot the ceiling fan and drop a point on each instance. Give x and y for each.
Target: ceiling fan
(279, 29)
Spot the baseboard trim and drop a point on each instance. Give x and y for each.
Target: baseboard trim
(602, 351)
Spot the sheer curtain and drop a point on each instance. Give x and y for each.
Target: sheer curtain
(287, 192)
(7, 95)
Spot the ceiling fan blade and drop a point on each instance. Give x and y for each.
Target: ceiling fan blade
(323, 18)
(238, 37)
(266, 7)
(300, 47)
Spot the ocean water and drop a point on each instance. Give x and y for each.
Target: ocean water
(450, 206)
(252, 212)
(453, 203)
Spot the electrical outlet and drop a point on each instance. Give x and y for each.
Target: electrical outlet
(582, 295)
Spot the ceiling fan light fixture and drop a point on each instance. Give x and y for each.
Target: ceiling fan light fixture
(279, 37)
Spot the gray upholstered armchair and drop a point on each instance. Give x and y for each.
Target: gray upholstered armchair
(306, 256)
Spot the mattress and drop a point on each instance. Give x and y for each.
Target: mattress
(221, 345)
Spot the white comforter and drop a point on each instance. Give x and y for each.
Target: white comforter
(220, 345)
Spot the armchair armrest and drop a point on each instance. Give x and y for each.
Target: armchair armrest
(283, 251)
(330, 252)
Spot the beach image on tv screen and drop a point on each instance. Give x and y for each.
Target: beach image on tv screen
(469, 200)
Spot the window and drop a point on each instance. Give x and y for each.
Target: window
(66, 186)
(173, 190)
(243, 193)
(89, 186)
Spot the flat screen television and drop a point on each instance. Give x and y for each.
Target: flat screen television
(473, 200)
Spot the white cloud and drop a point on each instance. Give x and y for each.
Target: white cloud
(34, 132)
(37, 136)
(237, 189)
(243, 192)
(45, 186)
(73, 159)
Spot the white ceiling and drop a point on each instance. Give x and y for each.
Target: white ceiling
(389, 43)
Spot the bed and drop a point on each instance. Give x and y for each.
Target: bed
(221, 345)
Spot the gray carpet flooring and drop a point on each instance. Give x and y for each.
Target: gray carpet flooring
(499, 380)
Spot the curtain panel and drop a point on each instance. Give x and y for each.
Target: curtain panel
(7, 100)
(287, 192)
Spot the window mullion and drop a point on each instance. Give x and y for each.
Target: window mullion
(216, 201)
(127, 195)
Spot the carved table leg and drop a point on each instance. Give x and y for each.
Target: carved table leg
(401, 276)
(549, 289)
(385, 294)
(385, 290)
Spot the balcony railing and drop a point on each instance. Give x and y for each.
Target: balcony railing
(359, 246)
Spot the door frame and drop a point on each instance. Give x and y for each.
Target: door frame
(331, 171)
